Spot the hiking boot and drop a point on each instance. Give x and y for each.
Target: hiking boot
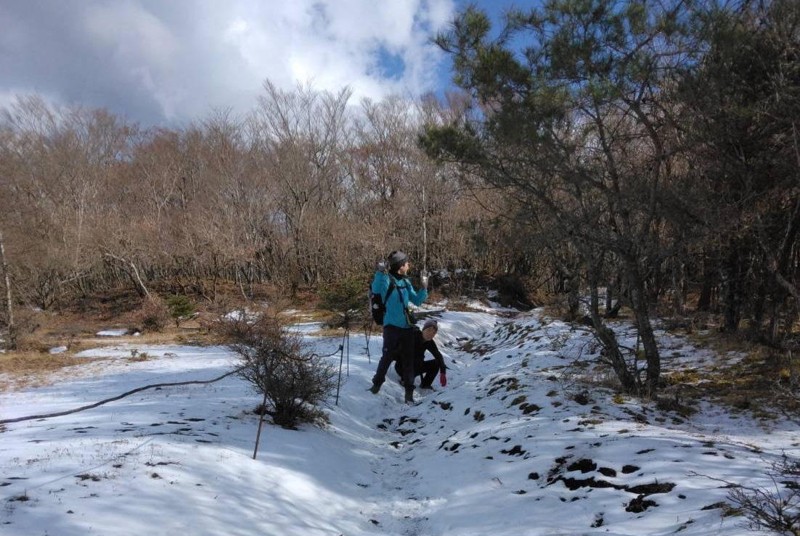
(375, 388)
(409, 396)
(427, 387)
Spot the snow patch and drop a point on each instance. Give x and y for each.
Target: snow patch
(112, 332)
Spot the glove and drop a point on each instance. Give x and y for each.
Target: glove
(380, 266)
(423, 280)
(443, 379)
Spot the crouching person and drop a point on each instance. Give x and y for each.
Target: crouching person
(423, 341)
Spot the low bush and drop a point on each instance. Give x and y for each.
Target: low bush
(153, 315)
(776, 509)
(294, 381)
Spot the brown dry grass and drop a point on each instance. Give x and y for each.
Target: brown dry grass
(76, 327)
(15, 363)
(37, 367)
(743, 376)
(186, 334)
(26, 368)
(32, 365)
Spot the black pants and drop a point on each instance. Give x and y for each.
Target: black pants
(398, 344)
(427, 369)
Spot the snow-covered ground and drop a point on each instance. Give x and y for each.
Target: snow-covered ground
(512, 446)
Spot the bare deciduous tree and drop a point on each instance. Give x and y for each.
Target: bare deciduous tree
(11, 343)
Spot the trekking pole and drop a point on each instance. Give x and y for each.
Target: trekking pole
(260, 423)
(368, 326)
(367, 335)
(346, 341)
(339, 381)
(424, 233)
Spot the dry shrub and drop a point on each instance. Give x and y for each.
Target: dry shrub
(512, 291)
(277, 363)
(153, 315)
(554, 306)
(27, 323)
(773, 509)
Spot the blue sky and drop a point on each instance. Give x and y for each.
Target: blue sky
(170, 62)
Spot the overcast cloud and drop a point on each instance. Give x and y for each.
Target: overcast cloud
(167, 62)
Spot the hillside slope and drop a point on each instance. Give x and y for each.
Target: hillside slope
(515, 444)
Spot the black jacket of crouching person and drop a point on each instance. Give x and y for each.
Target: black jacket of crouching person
(427, 369)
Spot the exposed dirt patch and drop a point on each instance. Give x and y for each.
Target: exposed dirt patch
(583, 465)
(639, 505)
(650, 489)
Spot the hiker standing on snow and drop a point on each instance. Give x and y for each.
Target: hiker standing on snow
(398, 333)
(423, 341)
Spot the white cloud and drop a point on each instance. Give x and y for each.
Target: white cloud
(165, 61)
(336, 43)
(133, 34)
(141, 47)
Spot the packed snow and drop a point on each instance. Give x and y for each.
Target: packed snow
(516, 444)
(119, 332)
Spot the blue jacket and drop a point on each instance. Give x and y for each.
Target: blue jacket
(398, 300)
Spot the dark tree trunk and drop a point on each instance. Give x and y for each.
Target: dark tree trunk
(758, 311)
(641, 311)
(709, 282)
(611, 347)
(11, 343)
(573, 297)
(733, 298)
(679, 288)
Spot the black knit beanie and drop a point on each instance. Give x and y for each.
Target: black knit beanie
(396, 260)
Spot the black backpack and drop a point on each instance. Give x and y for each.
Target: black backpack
(377, 303)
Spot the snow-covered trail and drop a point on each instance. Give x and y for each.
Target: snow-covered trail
(513, 445)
